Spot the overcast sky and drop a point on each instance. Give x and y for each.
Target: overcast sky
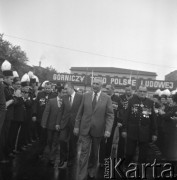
(132, 34)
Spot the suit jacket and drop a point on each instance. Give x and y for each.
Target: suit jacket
(50, 114)
(96, 121)
(69, 112)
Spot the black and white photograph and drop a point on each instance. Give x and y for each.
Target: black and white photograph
(88, 89)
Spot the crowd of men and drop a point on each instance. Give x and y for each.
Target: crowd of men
(90, 126)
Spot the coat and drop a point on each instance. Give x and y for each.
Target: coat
(140, 119)
(2, 98)
(69, 112)
(95, 122)
(49, 118)
(9, 96)
(19, 110)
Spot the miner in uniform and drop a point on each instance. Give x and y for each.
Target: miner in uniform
(40, 104)
(8, 78)
(24, 134)
(33, 91)
(19, 113)
(139, 122)
(124, 98)
(2, 104)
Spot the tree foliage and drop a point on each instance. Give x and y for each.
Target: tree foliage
(12, 53)
(18, 59)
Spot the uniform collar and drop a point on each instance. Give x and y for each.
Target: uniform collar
(98, 93)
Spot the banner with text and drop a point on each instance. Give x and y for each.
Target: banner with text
(119, 82)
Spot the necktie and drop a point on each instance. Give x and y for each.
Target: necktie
(94, 101)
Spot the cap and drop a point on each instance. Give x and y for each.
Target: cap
(25, 80)
(6, 68)
(15, 74)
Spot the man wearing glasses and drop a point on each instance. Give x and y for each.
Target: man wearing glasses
(138, 125)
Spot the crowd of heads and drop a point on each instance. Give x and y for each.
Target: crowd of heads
(166, 96)
(30, 81)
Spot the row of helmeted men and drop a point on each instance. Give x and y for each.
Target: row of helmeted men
(20, 105)
(165, 92)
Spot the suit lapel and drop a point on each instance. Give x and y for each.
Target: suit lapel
(56, 102)
(100, 99)
(89, 99)
(68, 102)
(74, 100)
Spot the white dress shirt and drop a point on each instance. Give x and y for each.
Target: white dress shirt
(97, 96)
(72, 97)
(59, 101)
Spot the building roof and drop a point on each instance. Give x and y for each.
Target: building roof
(172, 76)
(113, 70)
(171, 73)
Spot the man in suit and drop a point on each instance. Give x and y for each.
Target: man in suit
(49, 118)
(70, 106)
(94, 120)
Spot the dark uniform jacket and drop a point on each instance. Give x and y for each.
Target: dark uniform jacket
(140, 119)
(8, 96)
(2, 98)
(28, 108)
(19, 110)
(40, 103)
(116, 101)
(170, 125)
(31, 103)
(123, 106)
(2, 106)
